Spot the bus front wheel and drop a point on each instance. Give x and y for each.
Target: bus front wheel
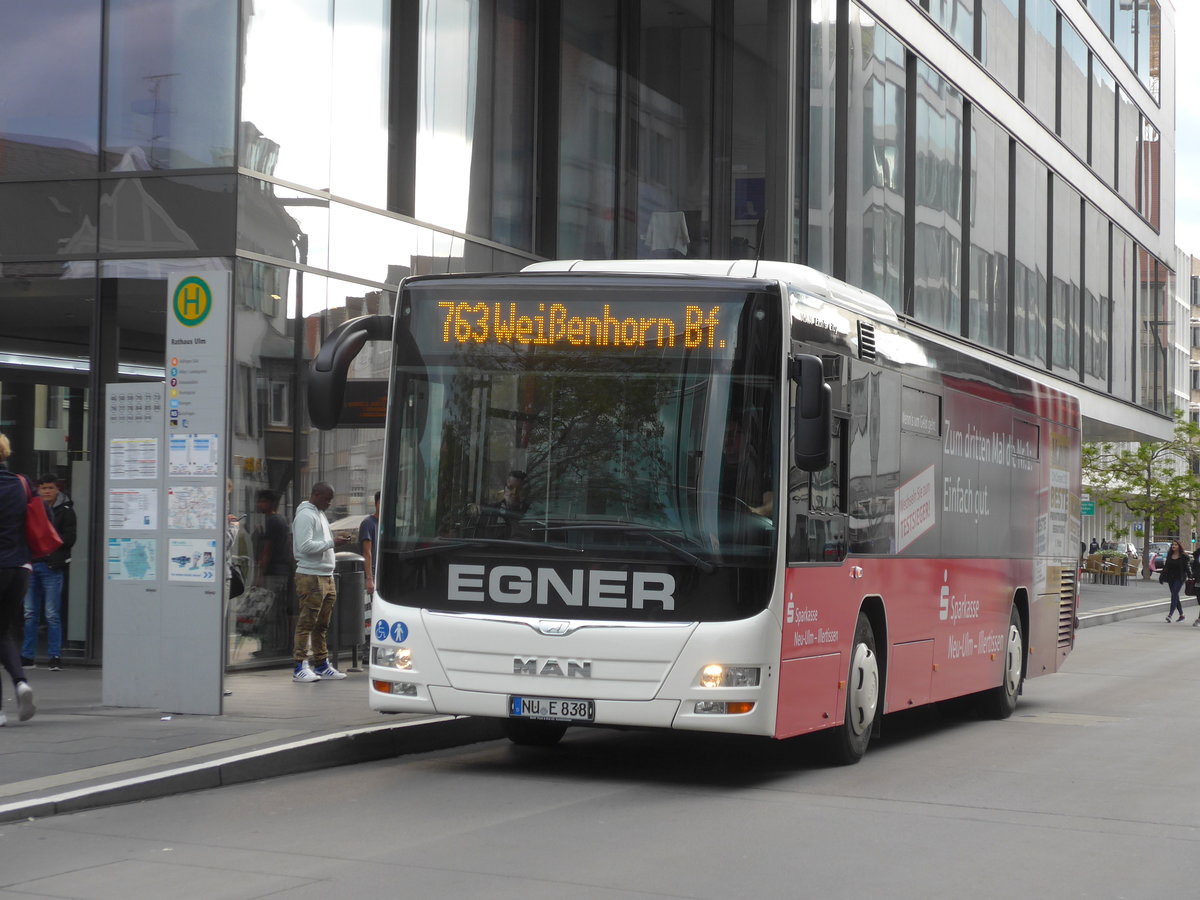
(527, 733)
(999, 702)
(848, 742)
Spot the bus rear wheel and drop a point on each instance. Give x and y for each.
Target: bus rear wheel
(848, 742)
(526, 733)
(999, 702)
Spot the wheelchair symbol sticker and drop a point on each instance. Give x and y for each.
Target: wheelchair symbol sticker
(381, 630)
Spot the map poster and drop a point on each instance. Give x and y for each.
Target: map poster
(192, 559)
(132, 559)
(191, 506)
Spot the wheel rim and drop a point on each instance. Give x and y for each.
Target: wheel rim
(864, 689)
(1012, 662)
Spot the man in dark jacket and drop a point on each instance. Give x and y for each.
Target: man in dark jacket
(44, 595)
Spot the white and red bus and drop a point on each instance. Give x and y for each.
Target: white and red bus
(720, 496)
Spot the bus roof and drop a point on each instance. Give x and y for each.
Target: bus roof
(795, 276)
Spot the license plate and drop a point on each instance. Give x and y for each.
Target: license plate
(552, 709)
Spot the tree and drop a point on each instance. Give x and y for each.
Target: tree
(1155, 481)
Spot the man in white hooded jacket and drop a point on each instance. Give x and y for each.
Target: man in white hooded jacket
(312, 544)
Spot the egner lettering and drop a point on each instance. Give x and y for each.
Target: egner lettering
(594, 589)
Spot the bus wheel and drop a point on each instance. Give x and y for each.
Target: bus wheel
(528, 733)
(848, 742)
(999, 702)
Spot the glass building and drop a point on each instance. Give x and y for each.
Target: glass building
(1001, 171)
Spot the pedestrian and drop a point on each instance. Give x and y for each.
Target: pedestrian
(312, 545)
(14, 575)
(1094, 547)
(44, 595)
(273, 566)
(1174, 573)
(368, 535)
(1195, 576)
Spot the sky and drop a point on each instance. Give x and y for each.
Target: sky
(1187, 134)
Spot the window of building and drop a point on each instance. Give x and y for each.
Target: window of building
(1102, 141)
(1154, 335)
(1122, 332)
(1065, 293)
(169, 83)
(587, 131)
(1149, 194)
(1149, 22)
(875, 163)
(937, 238)
(1124, 29)
(280, 411)
(988, 210)
(1041, 59)
(1128, 147)
(1030, 259)
(820, 107)
(1096, 294)
(49, 121)
(956, 17)
(1073, 91)
(1101, 11)
(1001, 27)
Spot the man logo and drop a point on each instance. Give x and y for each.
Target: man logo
(553, 626)
(576, 668)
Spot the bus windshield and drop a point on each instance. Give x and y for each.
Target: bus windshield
(607, 451)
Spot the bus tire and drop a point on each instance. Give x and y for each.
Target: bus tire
(848, 742)
(999, 702)
(530, 733)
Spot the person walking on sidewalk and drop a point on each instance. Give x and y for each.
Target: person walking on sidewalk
(14, 575)
(1174, 573)
(312, 544)
(44, 596)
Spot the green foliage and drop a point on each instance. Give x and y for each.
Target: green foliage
(1154, 480)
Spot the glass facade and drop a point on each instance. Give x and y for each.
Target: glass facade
(322, 151)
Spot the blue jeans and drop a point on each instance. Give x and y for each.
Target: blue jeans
(45, 593)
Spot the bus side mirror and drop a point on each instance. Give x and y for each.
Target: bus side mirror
(327, 376)
(812, 415)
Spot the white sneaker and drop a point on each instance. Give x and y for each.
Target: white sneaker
(304, 673)
(25, 707)
(3, 720)
(326, 670)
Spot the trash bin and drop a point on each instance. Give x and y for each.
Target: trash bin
(350, 579)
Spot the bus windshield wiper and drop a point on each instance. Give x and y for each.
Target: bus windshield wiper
(653, 532)
(444, 545)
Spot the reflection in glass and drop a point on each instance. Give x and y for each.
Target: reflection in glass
(1073, 95)
(1029, 285)
(875, 164)
(1096, 306)
(1124, 29)
(170, 84)
(359, 126)
(1101, 11)
(1128, 147)
(1154, 335)
(957, 18)
(937, 240)
(1064, 297)
(674, 123)
(988, 308)
(1148, 195)
(1103, 140)
(186, 214)
(1041, 59)
(47, 310)
(58, 218)
(49, 120)
(1001, 39)
(283, 223)
(821, 157)
(1123, 265)
(286, 85)
(587, 115)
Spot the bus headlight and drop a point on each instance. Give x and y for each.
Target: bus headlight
(393, 657)
(717, 675)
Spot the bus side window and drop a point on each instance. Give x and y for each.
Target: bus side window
(816, 508)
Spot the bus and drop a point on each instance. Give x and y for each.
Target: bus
(736, 497)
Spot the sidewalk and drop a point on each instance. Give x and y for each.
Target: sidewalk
(77, 754)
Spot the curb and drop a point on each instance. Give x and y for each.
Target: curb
(341, 748)
(1128, 611)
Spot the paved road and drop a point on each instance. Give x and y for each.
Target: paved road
(1088, 791)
